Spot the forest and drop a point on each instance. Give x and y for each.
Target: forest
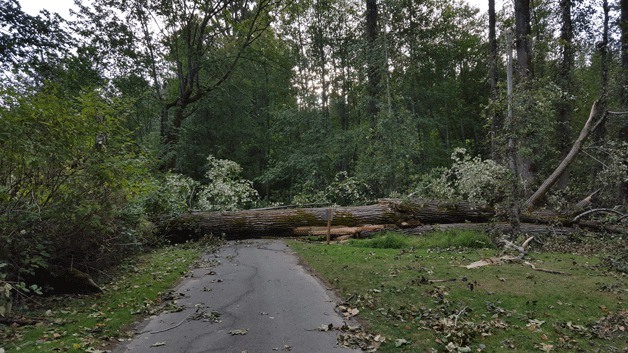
(134, 112)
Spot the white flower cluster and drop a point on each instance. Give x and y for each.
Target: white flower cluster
(226, 191)
(469, 178)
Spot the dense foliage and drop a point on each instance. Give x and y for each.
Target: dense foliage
(107, 120)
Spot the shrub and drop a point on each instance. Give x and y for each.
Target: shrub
(225, 190)
(469, 178)
(67, 174)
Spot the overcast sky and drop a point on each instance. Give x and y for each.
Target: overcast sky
(62, 6)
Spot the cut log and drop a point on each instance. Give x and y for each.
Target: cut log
(281, 222)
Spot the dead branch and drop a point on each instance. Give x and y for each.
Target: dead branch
(544, 269)
(598, 210)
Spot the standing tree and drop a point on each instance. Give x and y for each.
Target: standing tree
(373, 60)
(563, 130)
(496, 119)
(523, 44)
(185, 48)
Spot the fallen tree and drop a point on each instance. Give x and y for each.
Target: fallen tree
(394, 213)
(282, 222)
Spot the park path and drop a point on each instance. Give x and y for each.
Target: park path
(251, 296)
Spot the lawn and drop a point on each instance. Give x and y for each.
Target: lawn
(416, 293)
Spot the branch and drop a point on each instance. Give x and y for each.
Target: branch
(552, 179)
(597, 210)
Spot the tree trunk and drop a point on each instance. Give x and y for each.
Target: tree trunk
(623, 24)
(522, 38)
(527, 228)
(523, 44)
(563, 130)
(281, 222)
(394, 213)
(605, 62)
(496, 121)
(373, 61)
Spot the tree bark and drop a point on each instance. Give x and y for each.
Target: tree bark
(394, 213)
(373, 61)
(273, 222)
(563, 130)
(522, 39)
(496, 121)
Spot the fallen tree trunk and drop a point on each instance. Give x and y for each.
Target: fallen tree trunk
(412, 216)
(281, 222)
(498, 227)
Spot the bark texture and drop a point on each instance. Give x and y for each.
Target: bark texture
(282, 222)
(412, 216)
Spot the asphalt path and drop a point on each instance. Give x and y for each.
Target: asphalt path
(250, 296)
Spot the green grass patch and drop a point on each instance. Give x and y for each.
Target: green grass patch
(422, 293)
(437, 240)
(87, 323)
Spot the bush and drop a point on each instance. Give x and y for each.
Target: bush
(225, 190)
(67, 175)
(470, 179)
(343, 190)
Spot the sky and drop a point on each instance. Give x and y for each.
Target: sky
(62, 6)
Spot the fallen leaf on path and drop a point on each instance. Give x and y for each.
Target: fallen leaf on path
(158, 344)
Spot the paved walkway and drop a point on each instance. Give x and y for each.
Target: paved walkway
(249, 297)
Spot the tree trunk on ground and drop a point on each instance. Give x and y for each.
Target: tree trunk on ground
(501, 227)
(274, 222)
(394, 213)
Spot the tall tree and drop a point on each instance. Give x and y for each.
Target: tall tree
(603, 47)
(185, 48)
(523, 44)
(373, 60)
(623, 24)
(523, 40)
(496, 123)
(563, 130)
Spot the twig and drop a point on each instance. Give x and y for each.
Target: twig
(545, 270)
(596, 210)
(177, 325)
(458, 315)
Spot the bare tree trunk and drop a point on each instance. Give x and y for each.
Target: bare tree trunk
(514, 210)
(496, 123)
(623, 24)
(604, 58)
(563, 130)
(373, 61)
(523, 39)
(523, 43)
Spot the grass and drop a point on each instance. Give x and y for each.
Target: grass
(415, 289)
(91, 323)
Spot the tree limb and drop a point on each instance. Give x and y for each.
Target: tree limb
(553, 178)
